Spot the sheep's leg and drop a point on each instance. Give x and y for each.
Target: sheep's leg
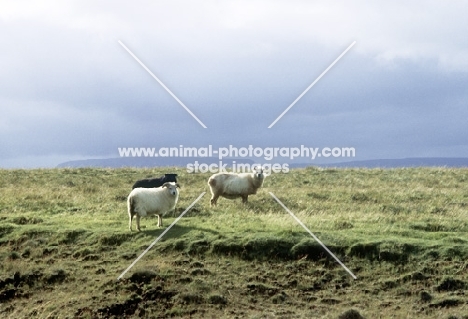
(138, 222)
(244, 198)
(160, 221)
(130, 217)
(214, 200)
(214, 197)
(131, 213)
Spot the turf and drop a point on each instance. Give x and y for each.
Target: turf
(64, 240)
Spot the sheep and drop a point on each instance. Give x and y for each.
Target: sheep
(232, 185)
(155, 182)
(150, 201)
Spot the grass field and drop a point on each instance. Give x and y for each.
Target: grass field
(64, 240)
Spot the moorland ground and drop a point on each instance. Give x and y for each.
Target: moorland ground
(64, 240)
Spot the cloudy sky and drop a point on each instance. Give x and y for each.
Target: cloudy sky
(69, 90)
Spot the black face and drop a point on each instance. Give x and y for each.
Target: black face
(170, 177)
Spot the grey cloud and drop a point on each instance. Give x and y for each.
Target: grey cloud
(69, 89)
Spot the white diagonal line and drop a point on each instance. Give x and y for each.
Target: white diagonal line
(315, 237)
(313, 83)
(162, 84)
(160, 236)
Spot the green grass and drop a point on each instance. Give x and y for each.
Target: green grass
(64, 240)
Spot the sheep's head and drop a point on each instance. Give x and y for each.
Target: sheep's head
(170, 177)
(172, 187)
(258, 173)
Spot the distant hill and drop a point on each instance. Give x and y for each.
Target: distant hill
(147, 162)
(183, 161)
(404, 162)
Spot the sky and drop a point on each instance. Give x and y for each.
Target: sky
(70, 91)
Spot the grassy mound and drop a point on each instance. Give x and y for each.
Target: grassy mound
(64, 240)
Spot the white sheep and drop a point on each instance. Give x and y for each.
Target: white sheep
(150, 201)
(232, 185)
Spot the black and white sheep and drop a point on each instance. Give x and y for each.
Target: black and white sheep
(155, 182)
(232, 185)
(144, 202)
